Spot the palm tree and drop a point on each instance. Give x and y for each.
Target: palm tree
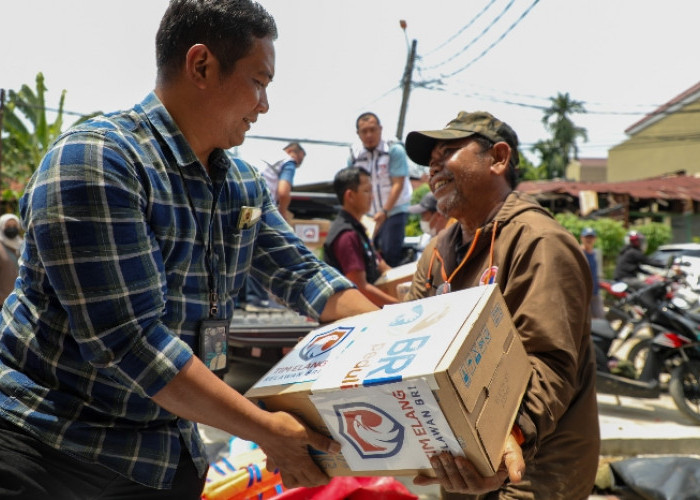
(27, 134)
(557, 120)
(552, 163)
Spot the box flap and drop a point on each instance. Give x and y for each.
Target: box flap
(507, 385)
(472, 372)
(463, 426)
(316, 350)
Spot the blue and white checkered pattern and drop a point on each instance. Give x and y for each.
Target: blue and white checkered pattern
(113, 284)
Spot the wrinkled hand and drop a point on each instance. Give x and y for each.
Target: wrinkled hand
(286, 450)
(457, 474)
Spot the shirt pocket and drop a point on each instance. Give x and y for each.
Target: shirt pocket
(240, 245)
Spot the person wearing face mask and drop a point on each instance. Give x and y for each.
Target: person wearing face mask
(431, 221)
(9, 253)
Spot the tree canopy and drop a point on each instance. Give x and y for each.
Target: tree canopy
(556, 153)
(27, 133)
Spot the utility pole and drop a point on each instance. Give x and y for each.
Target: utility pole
(406, 84)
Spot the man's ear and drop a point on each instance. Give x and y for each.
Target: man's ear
(198, 65)
(346, 195)
(501, 157)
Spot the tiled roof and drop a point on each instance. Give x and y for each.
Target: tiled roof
(671, 187)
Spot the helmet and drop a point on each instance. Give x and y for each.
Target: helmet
(635, 239)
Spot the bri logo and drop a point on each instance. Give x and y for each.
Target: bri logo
(370, 430)
(324, 342)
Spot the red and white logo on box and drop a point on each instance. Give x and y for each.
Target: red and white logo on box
(369, 429)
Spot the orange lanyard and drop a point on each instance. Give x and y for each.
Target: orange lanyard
(447, 282)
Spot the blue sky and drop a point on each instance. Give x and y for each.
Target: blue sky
(336, 59)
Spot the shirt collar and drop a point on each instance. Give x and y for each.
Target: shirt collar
(165, 125)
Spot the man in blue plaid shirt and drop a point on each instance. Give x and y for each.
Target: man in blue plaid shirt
(139, 230)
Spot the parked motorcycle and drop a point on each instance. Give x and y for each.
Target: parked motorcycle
(628, 317)
(674, 348)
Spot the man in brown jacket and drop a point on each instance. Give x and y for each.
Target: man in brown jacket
(505, 237)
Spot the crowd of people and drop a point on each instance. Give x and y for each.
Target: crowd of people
(141, 229)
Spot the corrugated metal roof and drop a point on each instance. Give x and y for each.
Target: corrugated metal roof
(672, 187)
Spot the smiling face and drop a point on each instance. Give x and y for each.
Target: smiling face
(459, 175)
(468, 178)
(236, 99)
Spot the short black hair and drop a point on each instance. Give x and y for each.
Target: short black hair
(226, 27)
(365, 116)
(347, 178)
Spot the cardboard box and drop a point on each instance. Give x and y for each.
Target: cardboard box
(312, 232)
(388, 281)
(400, 384)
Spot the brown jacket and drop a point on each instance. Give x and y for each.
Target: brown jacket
(546, 284)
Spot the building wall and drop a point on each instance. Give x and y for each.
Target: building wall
(669, 145)
(588, 170)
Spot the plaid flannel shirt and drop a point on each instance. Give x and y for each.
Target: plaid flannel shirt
(113, 284)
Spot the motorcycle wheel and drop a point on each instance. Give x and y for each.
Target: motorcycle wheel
(685, 389)
(637, 355)
(601, 359)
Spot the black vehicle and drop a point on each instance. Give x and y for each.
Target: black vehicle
(263, 335)
(674, 349)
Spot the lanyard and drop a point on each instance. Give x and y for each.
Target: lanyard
(213, 296)
(446, 286)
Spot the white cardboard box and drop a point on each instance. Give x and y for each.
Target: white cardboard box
(403, 383)
(388, 281)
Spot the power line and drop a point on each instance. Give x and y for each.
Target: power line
(476, 39)
(301, 141)
(496, 42)
(643, 108)
(461, 30)
(55, 110)
(542, 107)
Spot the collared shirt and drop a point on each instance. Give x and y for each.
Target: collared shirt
(114, 282)
(282, 169)
(386, 161)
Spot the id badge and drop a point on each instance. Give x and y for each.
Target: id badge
(213, 344)
(443, 288)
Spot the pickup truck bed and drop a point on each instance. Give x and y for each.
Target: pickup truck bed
(265, 335)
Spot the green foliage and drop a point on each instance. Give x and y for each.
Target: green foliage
(552, 163)
(26, 132)
(557, 152)
(529, 172)
(656, 233)
(413, 224)
(8, 195)
(611, 235)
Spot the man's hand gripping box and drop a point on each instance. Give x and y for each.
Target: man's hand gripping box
(398, 385)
